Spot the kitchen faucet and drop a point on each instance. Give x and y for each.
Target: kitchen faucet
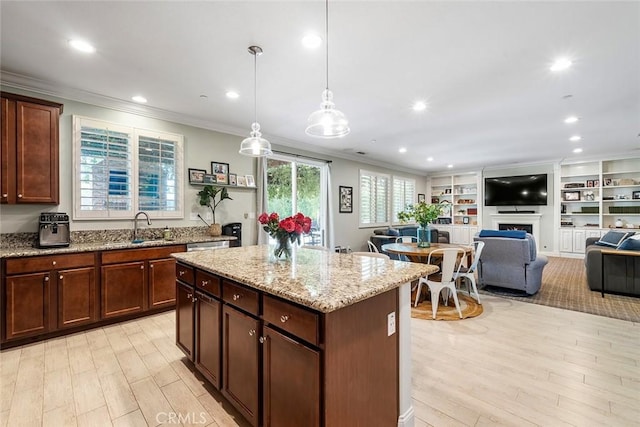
(135, 223)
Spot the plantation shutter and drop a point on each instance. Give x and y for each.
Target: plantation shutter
(158, 174)
(374, 196)
(403, 195)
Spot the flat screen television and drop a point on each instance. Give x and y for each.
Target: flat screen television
(521, 190)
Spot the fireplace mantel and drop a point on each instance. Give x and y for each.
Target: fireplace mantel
(528, 218)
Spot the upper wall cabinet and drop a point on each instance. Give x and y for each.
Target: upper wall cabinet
(29, 150)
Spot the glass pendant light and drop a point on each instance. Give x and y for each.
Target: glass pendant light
(327, 122)
(255, 145)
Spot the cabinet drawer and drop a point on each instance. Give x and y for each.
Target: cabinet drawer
(184, 273)
(49, 262)
(208, 282)
(291, 318)
(241, 297)
(128, 255)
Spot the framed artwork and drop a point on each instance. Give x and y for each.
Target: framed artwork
(233, 179)
(346, 199)
(241, 181)
(447, 191)
(250, 181)
(197, 175)
(210, 179)
(596, 183)
(421, 198)
(635, 195)
(571, 196)
(607, 182)
(221, 171)
(590, 183)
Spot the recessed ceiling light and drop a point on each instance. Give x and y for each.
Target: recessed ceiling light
(311, 41)
(203, 96)
(429, 159)
(449, 166)
(232, 94)
(82, 46)
(139, 99)
(575, 138)
(577, 150)
(560, 64)
(373, 141)
(420, 106)
(571, 119)
(402, 150)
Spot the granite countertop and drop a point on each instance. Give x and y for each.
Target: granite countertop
(321, 280)
(105, 245)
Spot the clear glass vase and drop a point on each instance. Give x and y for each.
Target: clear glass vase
(282, 249)
(424, 236)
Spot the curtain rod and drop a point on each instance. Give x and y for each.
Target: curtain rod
(302, 157)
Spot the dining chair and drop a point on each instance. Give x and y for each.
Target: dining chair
(405, 239)
(371, 254)
(469, 273)
(443, 279)
(372, 247)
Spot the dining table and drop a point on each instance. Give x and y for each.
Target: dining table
(417, 254)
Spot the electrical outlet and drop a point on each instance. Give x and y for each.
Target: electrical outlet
(391, 323)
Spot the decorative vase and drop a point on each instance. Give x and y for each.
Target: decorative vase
(618, 223)
(283, 247)
(215, 230)
(424, 236)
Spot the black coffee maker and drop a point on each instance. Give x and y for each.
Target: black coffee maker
(233, 229)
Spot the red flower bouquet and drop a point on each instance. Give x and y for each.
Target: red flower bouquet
(285, 231)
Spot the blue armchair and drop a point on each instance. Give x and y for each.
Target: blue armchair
(511, 263)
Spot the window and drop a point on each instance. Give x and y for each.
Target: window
(403, 194)
(120, 170)
(374, 199)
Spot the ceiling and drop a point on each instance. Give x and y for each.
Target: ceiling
(482, 67)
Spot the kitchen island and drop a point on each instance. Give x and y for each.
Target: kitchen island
(320, 339)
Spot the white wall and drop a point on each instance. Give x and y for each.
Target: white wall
(201, 146)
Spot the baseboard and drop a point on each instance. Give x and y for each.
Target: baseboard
(407, 419)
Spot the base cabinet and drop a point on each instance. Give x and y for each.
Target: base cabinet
(184, 318)
(27, 302)
(76, 297)
(123, 289)
(207, 337)
(162, 292)
(573, 240)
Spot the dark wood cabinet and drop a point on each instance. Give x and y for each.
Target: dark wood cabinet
(241, 362)
(184, 318)
(207, 337)
(291, 382)
(29, 150)
(76, 297)
(27, 305)
(162, 287)
(123, 289)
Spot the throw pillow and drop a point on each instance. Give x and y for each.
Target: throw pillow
(513, 234)
(631, 244)
(613, 238)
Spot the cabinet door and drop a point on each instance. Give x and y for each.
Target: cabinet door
(579, 241)
(291, 382)
(566, 240)
(27, 305)
(457, 235)
(207, 336)
(240, 362)
(36, 153)
(123, 289)
(184, 318)
(8, 152)
(76, 297)
(162, 285)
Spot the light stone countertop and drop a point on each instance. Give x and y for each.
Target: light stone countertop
(103, 246)
(321, 280)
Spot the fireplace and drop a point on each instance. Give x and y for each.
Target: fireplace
(524, 227)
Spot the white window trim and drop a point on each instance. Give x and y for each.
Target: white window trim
(381, 175)
(79, 215)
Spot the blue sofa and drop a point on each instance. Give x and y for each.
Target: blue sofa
(510, 260)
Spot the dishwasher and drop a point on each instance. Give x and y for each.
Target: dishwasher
(206, 246)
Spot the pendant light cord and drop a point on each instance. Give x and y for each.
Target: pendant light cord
(255, 87)
(326, 32)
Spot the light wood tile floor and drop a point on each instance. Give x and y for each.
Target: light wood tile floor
(517, 364)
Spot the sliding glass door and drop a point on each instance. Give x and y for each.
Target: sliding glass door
(299, 185)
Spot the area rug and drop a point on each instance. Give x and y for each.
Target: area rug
(468, 306)
(564, 285)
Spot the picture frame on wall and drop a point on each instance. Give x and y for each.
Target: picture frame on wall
(250, 181)
(210, 179)
(421, 198)
(346, 199)
(221, 171)
(241, 181)
(196, 176)
(571, 196)
(233, 179)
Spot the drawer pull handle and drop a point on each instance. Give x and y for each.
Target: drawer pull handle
(19, 196)
(54, 263)
(205, 283)
(252, 332)
(142, 267)
(61, 277)
(150, 265)
(46, 279)
(263, 340)
(284, 318)
(189, 296)
(236, 297)
(5, 195)
(181, 273)
(195, 299)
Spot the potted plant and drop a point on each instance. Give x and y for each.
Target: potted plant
(424, 214)
(207, 197)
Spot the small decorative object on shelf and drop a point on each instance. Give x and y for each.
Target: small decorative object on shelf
(207, 197)
(285, 232)
(424, 214)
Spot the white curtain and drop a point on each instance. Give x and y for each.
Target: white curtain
(329, 239)
(262, 196)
